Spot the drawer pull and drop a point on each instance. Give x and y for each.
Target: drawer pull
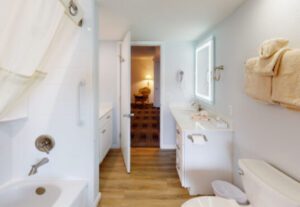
(190, 137)
(103, 131)
(108, 117)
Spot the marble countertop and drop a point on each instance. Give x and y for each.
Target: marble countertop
(183, 117)
(104, 109)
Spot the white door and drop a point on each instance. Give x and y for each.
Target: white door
(125, 99)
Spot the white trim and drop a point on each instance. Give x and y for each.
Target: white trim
(97, 200)
(162, 82)
(115, 146)
(168, 147)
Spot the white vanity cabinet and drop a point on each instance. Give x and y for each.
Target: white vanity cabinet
(200, 164)
(105, 133)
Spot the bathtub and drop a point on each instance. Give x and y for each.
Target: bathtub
(44, 193)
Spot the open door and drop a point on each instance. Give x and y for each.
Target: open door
(125, 99)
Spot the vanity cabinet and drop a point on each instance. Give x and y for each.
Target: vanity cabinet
(198, 164)
(105, 136)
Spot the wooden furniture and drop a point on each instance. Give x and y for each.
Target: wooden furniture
(143, 96)
(105, 129)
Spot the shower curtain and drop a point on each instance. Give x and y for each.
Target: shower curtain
(28, 28)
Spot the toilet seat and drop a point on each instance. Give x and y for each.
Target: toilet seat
(210, 201)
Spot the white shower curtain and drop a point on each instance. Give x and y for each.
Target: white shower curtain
(28, 28)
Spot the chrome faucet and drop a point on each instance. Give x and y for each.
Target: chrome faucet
(34, 168)
(197, 105)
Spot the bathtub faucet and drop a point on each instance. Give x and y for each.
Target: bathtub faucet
(34, 168)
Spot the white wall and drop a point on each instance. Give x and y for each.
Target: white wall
(109, 82)
(140, 67)
(53, 110)
(177, 56)
(262, 131)
(5, 153)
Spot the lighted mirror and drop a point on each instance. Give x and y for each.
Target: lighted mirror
(204, 70)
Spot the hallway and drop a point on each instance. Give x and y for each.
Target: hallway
(153, 181)
(145, 126)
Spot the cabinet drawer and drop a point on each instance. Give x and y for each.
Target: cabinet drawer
(107, 118)
(105, 140)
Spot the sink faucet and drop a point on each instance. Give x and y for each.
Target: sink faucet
(34, 168)
(197, 105)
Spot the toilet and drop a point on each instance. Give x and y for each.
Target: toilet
(265, 186)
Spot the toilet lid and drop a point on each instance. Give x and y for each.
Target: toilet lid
(210, 201)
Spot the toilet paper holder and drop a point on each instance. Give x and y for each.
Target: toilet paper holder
(190, 137)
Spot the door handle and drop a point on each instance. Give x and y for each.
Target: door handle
(128, 115)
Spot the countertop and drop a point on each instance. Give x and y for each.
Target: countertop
(183, 117)
(104, 109)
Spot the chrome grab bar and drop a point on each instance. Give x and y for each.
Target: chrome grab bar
(81, 85)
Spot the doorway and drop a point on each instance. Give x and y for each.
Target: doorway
(145, 96)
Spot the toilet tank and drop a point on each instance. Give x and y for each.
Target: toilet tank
(266, 186)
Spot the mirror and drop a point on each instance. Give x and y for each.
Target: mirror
(204, 69)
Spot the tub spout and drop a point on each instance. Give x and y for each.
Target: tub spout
(34, 168)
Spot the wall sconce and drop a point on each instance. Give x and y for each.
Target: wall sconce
(217, 72)
(148, 78)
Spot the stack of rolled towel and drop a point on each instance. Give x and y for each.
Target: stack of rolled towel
(274, 76)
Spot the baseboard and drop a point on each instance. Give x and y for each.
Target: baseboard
(97, 200)
(115, 146)
(168, 146)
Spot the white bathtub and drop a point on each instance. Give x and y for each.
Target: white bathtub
(58, 193)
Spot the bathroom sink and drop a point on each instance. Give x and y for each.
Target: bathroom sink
(200, 116)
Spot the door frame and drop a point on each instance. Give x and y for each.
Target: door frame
(162, 85)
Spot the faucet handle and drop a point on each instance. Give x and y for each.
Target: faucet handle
(44, 143)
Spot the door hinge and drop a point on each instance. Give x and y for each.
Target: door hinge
(121, 59)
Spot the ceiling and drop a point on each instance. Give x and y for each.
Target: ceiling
(160, 20)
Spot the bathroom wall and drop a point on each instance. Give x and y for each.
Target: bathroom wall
(5, 154)
(262, 131)
(53, 110)
(109, 82)
(140, 68)
(177, 56)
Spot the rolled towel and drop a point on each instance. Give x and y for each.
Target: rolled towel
(269, 66)
(257, 86)
(270, 47)
(286, 85)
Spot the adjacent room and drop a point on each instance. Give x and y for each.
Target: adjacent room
(145, 96)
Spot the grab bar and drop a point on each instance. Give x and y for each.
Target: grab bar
(81, 85)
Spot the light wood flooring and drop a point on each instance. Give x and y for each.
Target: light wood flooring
(153, 181)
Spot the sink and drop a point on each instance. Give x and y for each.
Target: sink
(200, 116)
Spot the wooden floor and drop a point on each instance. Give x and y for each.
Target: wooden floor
(153, 181)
